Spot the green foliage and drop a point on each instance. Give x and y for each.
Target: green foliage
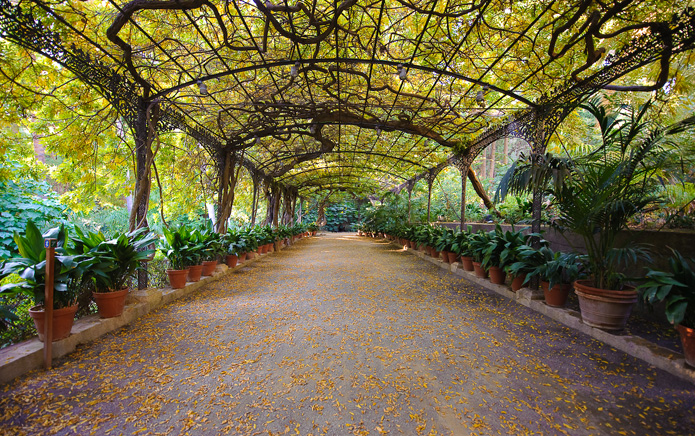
(675, 287)
(24, 199)
(597, 195)
(340, 217)
(181, 247)
(461, 243)
(115, 260)
(445, 240)
(478, 244)
(552, 267)
(30, 266)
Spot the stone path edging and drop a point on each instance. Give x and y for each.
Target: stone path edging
(655, 355)
(19, 359)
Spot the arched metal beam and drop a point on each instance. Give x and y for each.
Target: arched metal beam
(285, 63)
(310, 170)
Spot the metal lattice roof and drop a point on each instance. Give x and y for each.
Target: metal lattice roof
(354, 95)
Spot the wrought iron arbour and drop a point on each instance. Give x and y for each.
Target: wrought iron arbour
(304, 95)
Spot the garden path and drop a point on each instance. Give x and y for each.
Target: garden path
(346, 335)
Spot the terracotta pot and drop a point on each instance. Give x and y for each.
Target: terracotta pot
(497, 275)
(62, 321)
(242, 257)
(251, 255)
(479, 270)
(110, 304)
(194, 273)
(451, 256)
(209, 267)
(413, 245)
(467, 263)
(688, 341)
(518, 282)
(232, 259)
(313, 233)
(435, 254)
(177, 277)
(557, 296)
(271, 247)
(604, 308)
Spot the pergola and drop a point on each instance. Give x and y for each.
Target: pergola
(352, 96)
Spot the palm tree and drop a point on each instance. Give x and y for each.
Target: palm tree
(596, 195)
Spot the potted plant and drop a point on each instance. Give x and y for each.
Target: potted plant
(31, 267)
(478, 245)
(251, 242)
(115, 261)
(175, 246)
(595, 197)
(557, 272)
(213, 249)
(313, 228)
(235, 247)
(461, 247)
(501, 252)
(675, 288)
(444, 243)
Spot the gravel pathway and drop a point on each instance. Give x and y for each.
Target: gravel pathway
(344, 335)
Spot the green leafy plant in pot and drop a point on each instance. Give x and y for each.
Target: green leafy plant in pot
(461, 246)
(676, 289)
(175, 245)
(478, 245)
(595, 197)
(444, 243)
(557, 272)
(115, 262)
(213, 248)
(518, 258)
(500, 252)
(69, 269)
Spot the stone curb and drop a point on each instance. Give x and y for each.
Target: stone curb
(18, 359)
(653, 354)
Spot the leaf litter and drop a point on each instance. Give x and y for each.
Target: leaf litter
(364, 340)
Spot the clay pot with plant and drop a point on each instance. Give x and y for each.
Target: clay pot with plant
(595, 196)
(116, 260)
(676, 289)
(557, 272)
(175, 245)
(30, 266)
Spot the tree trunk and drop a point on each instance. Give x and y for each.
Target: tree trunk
(226, 179)
(254, 201)
(144, 131)
(276, 207)
(464, 177)
(270, 198)
(480, 190)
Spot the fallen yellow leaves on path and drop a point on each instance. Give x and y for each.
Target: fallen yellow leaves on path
(345, 335)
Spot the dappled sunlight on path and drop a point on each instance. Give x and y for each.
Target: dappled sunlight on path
(346, 335)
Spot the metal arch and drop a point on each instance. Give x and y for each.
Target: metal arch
(269, 163)
(535, 124)
(338, 60)
(310, 170)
